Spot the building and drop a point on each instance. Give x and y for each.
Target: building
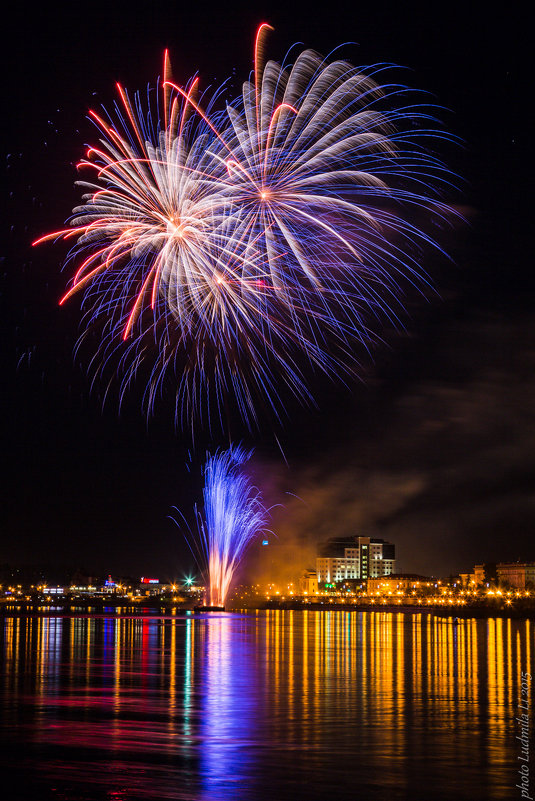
(308, 583)
(483, 574)
(151, 586)
(516, 574)
(355, 558)
(467, 581)
(402, 582)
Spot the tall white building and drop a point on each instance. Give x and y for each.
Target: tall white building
(355, 558)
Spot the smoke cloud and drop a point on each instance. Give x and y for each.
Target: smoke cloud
(448, 478)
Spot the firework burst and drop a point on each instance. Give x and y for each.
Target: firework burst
(324, 169)
(238, 249)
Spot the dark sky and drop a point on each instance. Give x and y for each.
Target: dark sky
(434, 449)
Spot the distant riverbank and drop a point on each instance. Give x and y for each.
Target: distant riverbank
(481, 610)
(154, 606)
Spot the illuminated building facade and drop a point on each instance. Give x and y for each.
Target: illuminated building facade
(308, 583)
(483, 574)
(355, 558)
(516, 574)
(466, 580)
(404, 582)
(479, 574)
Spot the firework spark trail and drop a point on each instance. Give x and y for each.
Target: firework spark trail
(241, 248)
(316, 150)
(233, 516)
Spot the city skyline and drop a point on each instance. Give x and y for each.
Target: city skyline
(432, 451)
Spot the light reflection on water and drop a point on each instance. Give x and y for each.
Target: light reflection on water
(269, 705)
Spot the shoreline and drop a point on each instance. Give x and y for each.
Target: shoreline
(152, 608)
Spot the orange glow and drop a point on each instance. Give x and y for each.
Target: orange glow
(135, 311)
(65, 233)
(198, 109)
(166, 78)
(131, 116)
(188, 98)
(82, 283)
(263, 28)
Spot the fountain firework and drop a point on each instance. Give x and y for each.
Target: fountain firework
(233, 515)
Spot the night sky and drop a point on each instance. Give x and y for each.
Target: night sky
(434, 449)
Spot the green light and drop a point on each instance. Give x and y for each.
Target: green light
(189, 581)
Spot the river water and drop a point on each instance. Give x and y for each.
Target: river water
(262, 706)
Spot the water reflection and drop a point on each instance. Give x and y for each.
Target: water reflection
(269, 705)
(228, 704)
